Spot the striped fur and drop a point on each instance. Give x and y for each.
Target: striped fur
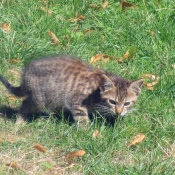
(49, 84)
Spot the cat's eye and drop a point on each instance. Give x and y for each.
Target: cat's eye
(127, 104)
(112, 102)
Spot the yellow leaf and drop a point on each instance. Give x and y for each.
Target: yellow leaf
(53, 37)
(78, 153)
(12, 165)
(39, 148)
(137, 139)
(15, 60)
(6, 28)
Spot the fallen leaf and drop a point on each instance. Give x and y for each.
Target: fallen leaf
(6, 28)
(96, 134)
(150, 85)
(78, 153)
(126, 55)
(78, 18)
(15, 60)
(98, 57)
(125, 4)
(39, 148)
(81, 17)
(53, 37)
(13, 165)
(129, 55)
(151, 77)
(137, 139)
(105, 4)
(1, 140)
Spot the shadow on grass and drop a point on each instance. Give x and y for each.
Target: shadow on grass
(11, 114)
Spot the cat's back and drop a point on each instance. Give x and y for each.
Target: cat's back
(58, 63)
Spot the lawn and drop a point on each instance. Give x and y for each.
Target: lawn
(32, 29)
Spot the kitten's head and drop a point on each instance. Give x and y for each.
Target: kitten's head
(119, 94)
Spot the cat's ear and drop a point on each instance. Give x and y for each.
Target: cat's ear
(107, 84)
(136, 85)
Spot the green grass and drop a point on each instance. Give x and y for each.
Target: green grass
(111, 31)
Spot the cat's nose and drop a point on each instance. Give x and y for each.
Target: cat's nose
(119, 110)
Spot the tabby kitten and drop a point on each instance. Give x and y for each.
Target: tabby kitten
(50, 84)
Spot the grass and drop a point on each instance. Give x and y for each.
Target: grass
(110, 31)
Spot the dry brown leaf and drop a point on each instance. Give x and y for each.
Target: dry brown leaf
(1, 140)
(96, 134)
(81, 17)
(78, 153)
(6, 28)
(126, 55)
(130, 54)
(150, 76)
(53, 37)
(149, 86)
(98, 57)
(153, 77)
(78, 18)
(125, 4)
(137, 139)
(104, 58)
(39, 148)
(13, 165)
(15, 60)
(105, 4)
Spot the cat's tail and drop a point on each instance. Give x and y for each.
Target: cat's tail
(17, 91)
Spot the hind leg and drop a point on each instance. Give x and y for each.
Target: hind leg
(26, 108)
